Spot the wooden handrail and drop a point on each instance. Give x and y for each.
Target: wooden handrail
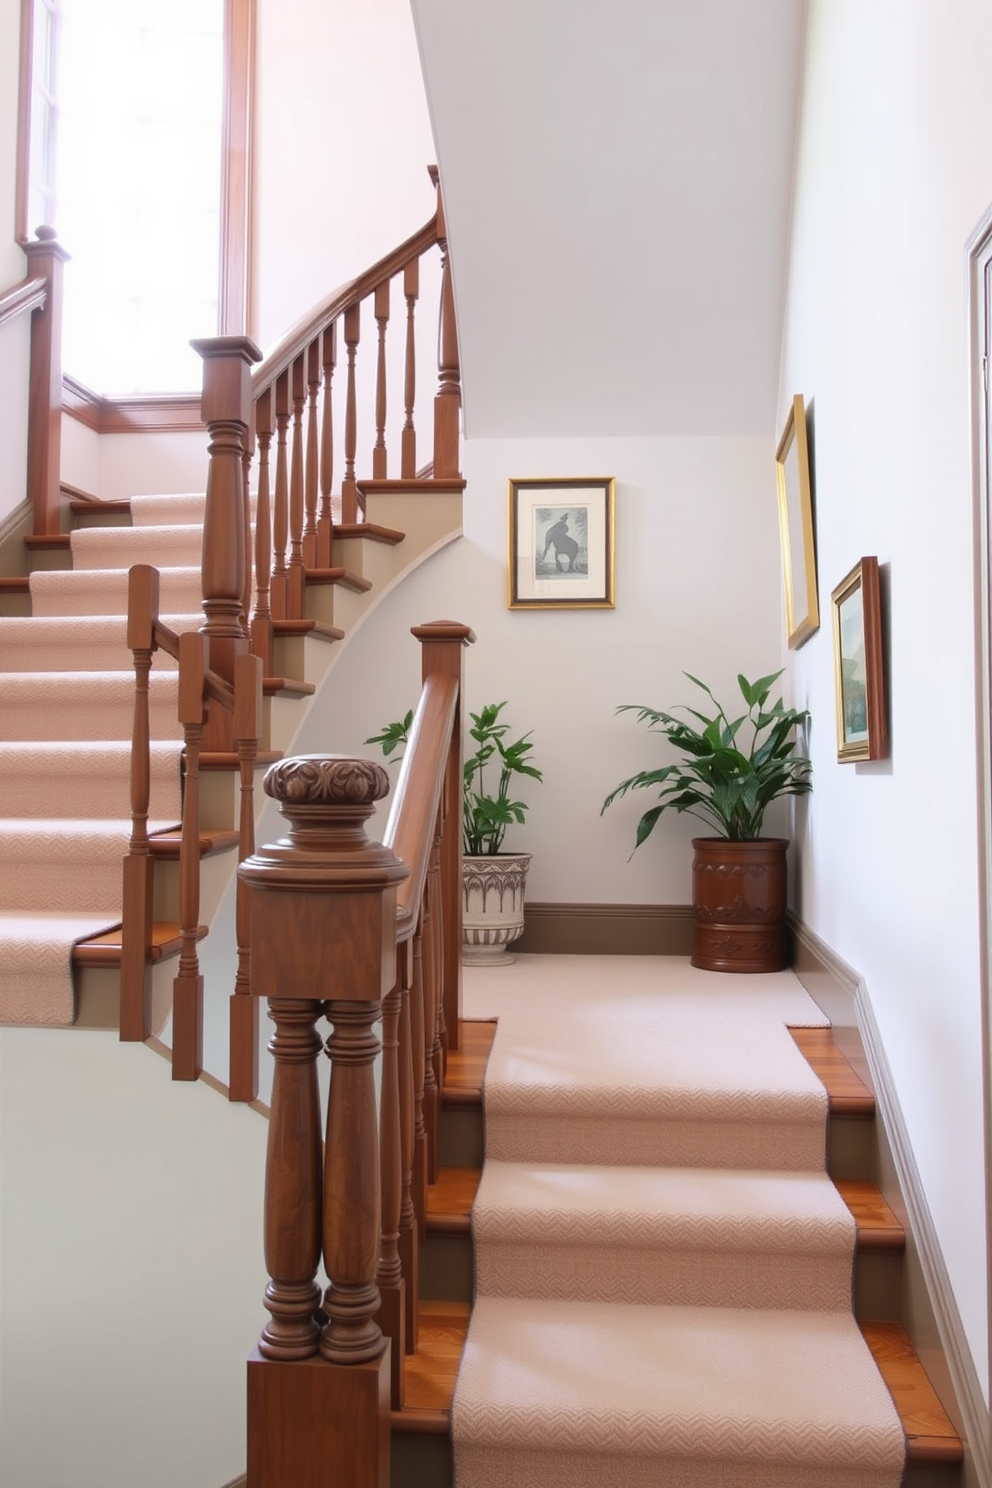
(29, 294)
(417, 797)
(329, 309)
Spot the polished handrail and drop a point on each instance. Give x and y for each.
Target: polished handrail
(29, 294)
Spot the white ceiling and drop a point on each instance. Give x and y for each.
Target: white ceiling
(618, 181)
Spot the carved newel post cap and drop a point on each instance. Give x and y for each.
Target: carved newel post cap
(325, 780)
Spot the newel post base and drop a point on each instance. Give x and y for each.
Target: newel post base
(308, 1418)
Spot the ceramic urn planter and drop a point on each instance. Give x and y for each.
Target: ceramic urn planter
(739, 894)
(492, 907)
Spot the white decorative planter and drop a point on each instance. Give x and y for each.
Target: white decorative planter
(492, 907)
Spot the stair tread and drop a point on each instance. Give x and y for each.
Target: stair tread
(320, 630)
(930, 1435)
(429, 1374)
(105, 949)
(342, 576)
(287, 687)
(847, 1093)
(369, 530)
(466, 1067)
(167, 844)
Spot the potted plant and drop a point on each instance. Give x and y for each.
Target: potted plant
(493, 881)
(730, 772)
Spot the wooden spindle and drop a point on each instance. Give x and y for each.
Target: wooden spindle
(437, 925)
(295, 580)
(432, 1085)
(136, 925)
(261, 623)
(448, 399)
(379, 455)
(225, 408)
(311, 490)
(280, 518)
(349, 490)
(246, 592)
(293, 1183)
(408, 1236)
(389, 1277)
(187, 988)
(329, 343)
(244, 1008)
(44, 458)
(408, 448)
(418, 1037)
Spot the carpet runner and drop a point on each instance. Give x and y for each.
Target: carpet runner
(66, 710)
(663, 1268)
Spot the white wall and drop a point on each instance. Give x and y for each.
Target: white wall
(697, 589)
(894, 172)
(133, 1271)
(14, 336)
(118, 466)
(342, 144)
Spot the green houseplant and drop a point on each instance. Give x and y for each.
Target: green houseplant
(730, 771)
(493, 882)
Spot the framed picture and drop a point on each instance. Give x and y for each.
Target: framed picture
(563, 544)
(795, 521)
(862, 727)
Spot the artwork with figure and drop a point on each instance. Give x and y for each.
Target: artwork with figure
(561, 542)
(853, 672)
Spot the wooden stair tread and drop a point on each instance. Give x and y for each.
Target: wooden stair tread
(342, 576)
(320, 630)
(227, 759)
(930, 1436)
(105, 949)
(429, 1374)
(371, 530)
(90, 504)
(450, 1200)
(466, 1066)
(287, 687)
(878, 1227)
(167, 844)
(15, 584)
(419, 485)
(847, 1093)
(48, 542)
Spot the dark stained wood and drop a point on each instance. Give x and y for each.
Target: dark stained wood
(261, 619)
(411, 292)
(416, 797)
(45, 261)
(311, 489)
(450, 1200)
(418, 1017)
(187, 990)
(381, 312)
(138, 880)
(349, 495)
(295, 575)
(329, 351)
(244, 1008)
(930, 1436)
(389, 1276)
(878, 1226)
(312, 1424)
(430, 1374)
(27, 295)
(341, 576)
(467, 1064)
(847, 1093)
(280, 515)
(448, 400)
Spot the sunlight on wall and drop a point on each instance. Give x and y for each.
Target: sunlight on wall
(138, 188)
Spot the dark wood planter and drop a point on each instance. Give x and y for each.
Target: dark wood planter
(739, 894)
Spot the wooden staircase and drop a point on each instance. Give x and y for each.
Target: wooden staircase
(421, 1438)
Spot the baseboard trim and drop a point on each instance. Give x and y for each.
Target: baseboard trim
(935, 1327)
(607, 930)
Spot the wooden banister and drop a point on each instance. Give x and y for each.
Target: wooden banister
(28, 294)
(417, 797)
(45, 259)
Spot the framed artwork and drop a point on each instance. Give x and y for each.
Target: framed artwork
(563, 544)
(862, 727)
(795, 521)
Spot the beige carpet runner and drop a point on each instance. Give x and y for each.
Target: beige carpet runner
(663, 1269)
(66, 709)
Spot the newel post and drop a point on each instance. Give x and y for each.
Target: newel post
(323, 943)
(46, 259)
(225, 408)
(448, 399)
(443, 645)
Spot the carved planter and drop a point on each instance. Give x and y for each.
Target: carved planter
(492, 907)
(739, 892)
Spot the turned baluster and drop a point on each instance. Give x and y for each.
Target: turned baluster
(349, 491)
(142, 615)
(293, 1183)
(261, 622)
(244, 1008)
(408, 1236)
(379, 456)
(246, 592)
(432, 1092)
(448, 399)
(44, 455)
(418, 1038)
(311, 491)
(330, 351)
(295, 581)
(389, 1277)
(280, 519)
(437, 926)
(187, 989)
(408, 447)
(225, 409)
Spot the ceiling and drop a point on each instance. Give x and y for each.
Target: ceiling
(618, 182)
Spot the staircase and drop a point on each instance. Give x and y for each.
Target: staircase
(421, 1433)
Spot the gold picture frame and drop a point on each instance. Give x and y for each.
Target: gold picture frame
(795, 520)
(562, 544)
(859, 677)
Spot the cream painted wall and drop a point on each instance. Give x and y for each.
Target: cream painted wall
(132, 1273)
(894, 172)
(326, 208)
(680, 605)
(14, 336)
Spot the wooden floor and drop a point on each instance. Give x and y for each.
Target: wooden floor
(431, 1372)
